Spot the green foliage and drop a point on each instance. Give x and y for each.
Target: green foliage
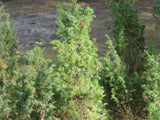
(152, 74)
(113, 75)
(26, 89)
(151, 49)
(31, 89)
(156, 9)
(126, 24)
(131, 77)
(124, 63)
(156, 14)
(8, 66)
(113, 79)
(8, 45)
(78, 93)
(152, 90)
(122, 90)
(35, 98)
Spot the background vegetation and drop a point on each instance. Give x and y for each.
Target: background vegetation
(124, 85)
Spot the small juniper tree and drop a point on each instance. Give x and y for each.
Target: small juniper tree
(113, 78)
(35, 95)
(8, 45)
(129, 45)
(126, 21)
(78, 93)
(156, 14)
(151, 86)
(113, 75)
(25, 90)
(8, 66)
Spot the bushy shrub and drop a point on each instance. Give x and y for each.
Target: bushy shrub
(8, 64)
(126, 23)
(156, 9)
(78, 93)
(113, 79)
(152, 90)
(124, 63)
(35, 95)
(26, 89)
(8, 45)
(156, 14)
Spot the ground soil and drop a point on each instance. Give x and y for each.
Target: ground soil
(35, 21)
